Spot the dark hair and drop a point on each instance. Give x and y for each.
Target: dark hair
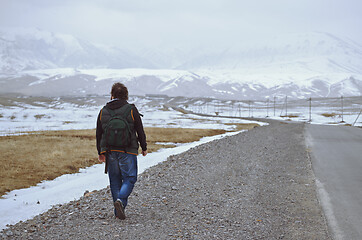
(119, 91)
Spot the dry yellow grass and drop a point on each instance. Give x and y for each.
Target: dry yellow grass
(329, 114)
(29, 159)
(290, 116)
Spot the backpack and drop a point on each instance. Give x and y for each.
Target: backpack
(117, 130)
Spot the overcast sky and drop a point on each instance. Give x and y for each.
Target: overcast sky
(155, 23)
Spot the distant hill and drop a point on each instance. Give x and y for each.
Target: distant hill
(36, 62)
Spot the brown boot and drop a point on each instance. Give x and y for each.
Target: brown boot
(119, 209)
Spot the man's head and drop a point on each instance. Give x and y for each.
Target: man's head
(119, 91)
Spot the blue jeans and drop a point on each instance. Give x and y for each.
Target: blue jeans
(122, 173)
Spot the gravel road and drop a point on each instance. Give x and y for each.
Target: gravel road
(254, 185)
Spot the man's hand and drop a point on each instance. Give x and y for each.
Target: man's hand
(144, 153)
(102, 158)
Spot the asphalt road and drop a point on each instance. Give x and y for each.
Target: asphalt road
(336, 153)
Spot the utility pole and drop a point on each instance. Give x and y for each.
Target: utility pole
(249, 108)
(310, 109)
(220, 107)
(252, 111)
(232, 109)
(342, 107)
(267, 108)
(286, 106)
(357, 117)
(274, 106)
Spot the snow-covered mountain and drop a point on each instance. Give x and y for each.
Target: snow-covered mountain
(61, 82)
(36, 49)
(297, 65)
(308, 52)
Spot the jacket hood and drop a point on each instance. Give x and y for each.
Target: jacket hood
(116, 103)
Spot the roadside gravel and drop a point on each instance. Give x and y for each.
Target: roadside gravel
(254, 185)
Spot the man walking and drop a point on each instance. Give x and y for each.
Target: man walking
(119, 130)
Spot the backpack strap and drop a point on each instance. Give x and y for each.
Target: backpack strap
(110, 111)
(127, 111)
